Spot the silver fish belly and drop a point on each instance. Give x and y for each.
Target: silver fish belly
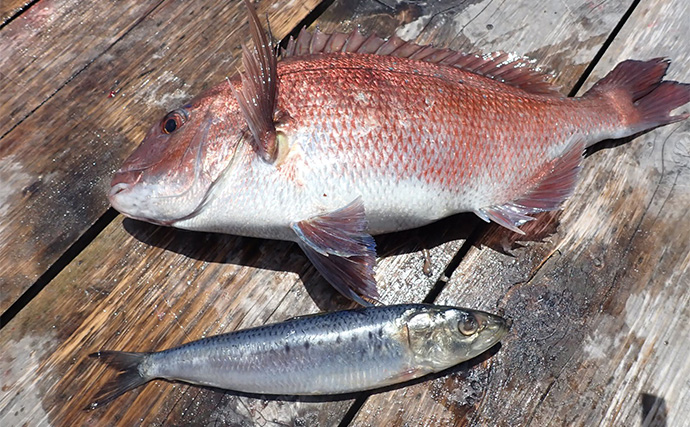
(332, 353)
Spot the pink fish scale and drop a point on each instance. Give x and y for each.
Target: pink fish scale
(369, 143)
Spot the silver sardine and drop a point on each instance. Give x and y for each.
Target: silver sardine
(333, 353)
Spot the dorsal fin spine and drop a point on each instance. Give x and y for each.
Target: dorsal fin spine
(257, 98)
(501, 66)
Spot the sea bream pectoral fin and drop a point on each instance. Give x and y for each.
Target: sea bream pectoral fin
(259, 92)
(554, 185)
(344, 253)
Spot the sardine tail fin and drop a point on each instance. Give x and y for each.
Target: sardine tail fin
(259, 92)
(341, 250)
(553, 187)
(639, 85)
(129, 378)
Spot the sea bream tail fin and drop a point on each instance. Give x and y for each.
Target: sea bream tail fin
(554, 184)
(637, 89)
(130, 376)
(344, 253)
(259, 93)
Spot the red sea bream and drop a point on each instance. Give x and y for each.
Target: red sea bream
(347, 137)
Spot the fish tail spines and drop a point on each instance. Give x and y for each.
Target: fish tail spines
(637, 78)
(130, 376)
(638, 90)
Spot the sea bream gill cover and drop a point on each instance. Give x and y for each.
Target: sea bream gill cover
(350, 136)
(332, 353)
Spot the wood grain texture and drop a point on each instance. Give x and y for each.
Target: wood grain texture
(272, 281)
(53, 41)
(56, 163)
(600, 308)
(142, 287)
(55, 141)
(11, 8)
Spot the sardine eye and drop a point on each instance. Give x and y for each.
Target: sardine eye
(173, 121)
(468, 325)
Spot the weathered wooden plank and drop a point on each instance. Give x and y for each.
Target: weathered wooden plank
(51, 42)
(600, 308)
(259, 295)
(184, 280)
(40, 51)
(10, 8)
(56, 164)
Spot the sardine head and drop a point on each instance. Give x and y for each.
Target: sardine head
(446, 336)
(167, 178)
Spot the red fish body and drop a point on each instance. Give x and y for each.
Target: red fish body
(348, 137)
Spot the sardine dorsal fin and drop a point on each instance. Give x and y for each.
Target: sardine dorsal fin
(338, 244)
(548, 194)
(258, 95)
(505, 67)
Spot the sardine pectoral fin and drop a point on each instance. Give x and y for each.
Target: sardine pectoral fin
(548, 194)
(344, 253)
(257, 97)
(407, 375)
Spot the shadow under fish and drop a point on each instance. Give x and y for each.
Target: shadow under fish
(348, 136)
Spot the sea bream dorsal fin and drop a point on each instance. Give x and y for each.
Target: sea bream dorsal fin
(504, 67)
(257, 98)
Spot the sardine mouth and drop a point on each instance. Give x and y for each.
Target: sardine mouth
(494, 328)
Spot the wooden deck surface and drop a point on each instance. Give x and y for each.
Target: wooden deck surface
(598, 295)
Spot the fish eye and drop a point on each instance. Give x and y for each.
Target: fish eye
(468, 325)
(173, 121)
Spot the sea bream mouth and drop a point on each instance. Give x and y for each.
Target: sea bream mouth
(132, 201)
(156, 191)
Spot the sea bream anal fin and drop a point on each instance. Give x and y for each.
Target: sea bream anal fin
(338, 244)
(259, 93)
(548, 194)
(505, 67)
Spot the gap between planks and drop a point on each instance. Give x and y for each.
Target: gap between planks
(478, 233)
(76, 73)
(13, 11)
(110, 214)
